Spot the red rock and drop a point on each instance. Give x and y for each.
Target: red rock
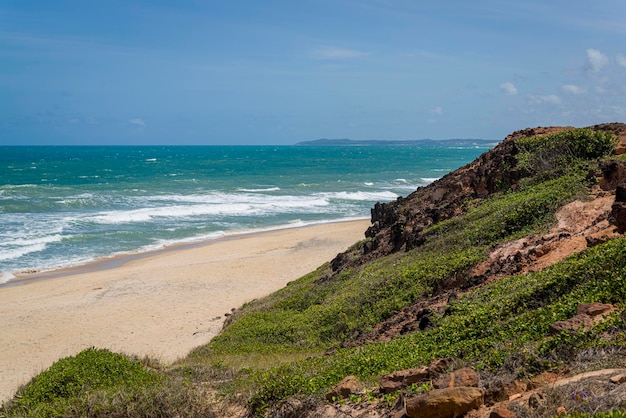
(619, 379)
(515, 387)
(403, 378)
(572, 324)
(461, 377)
(613, 173)
(594, 309)
(348, 386)
(445, 403)
(439, 365)
(501, 412)
(601, 237)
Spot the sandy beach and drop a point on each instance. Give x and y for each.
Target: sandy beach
(162, 305)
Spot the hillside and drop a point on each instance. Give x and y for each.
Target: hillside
(344, 142)
(496, 288)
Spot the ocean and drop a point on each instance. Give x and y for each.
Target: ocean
(66, 206)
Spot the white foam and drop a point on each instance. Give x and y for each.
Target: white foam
(363, 196)
(429, 180)
(6, 277)
(15, 253)
(251, 206)
(269, 189)
(26, 242)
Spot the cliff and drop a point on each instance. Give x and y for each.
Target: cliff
(399, 225)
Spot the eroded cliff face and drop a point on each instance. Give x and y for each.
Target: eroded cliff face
(399, 225)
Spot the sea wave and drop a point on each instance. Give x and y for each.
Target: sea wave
(243, 207)
(362, 196)
(14, 248)
(6, 277)
(268, 189)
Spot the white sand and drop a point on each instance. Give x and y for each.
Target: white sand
(162, 305)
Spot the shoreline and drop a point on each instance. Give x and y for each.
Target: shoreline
(111, 262)
(161, 304)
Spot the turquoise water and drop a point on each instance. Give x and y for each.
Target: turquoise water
(65, 206)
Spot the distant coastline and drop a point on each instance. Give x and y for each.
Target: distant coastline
(344, 142)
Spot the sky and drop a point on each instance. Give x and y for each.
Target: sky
(107, 72)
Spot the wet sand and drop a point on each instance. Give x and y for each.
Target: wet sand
(163, 304)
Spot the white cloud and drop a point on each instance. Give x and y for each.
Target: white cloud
(138, 122)
(621, 60)
(548, 98)
(334, 53)
(509, 88)
(437, 110)
(573, 89)
(596, 60)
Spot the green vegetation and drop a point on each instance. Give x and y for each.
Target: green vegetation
(290, 343)
(501, 324)
(99, 383)
(553, 155)
(608, 414)
(91, 370)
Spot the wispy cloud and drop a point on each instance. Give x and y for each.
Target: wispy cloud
(137, 122)
(621, 60)
(335, 53)
(573, 89)
(548, 98)
(596, 60)
(509, 88)
(437, 110)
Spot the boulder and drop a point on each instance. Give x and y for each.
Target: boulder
(348, 386)
(398, 380)
(618, 209)
(461, 377)
(545, 378)
(501, 412)
(572, 324)
(439, 365)
(619, 379)
(445, 403)
(515, 387)
(601, 237)
(594, 309)
(613, 173)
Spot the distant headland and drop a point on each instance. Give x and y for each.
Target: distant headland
(343, 142)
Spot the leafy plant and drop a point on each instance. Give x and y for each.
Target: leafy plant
(89, 371)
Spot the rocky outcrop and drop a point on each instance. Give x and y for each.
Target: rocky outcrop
(618, 209)
(613, 173)
(433, 372)
(399, 225)
(348, 386)
(501, 412)
(462, 377)
(403, 378)
(587, 315)
(445, 403)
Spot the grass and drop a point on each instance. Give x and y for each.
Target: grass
(99, 383)
(486, 328)
(289, 344)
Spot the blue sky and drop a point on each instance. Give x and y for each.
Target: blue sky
(279, 72)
